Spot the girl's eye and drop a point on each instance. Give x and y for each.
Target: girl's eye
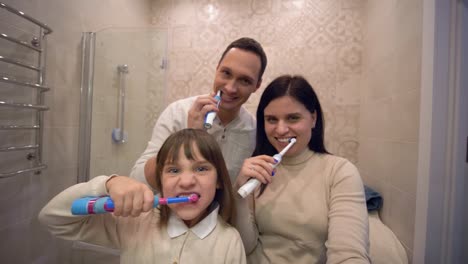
(172, 170)
(202, 169)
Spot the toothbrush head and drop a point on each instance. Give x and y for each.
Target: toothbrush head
(193, 198)
(292, 140)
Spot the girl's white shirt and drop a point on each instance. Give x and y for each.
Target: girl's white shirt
(176, 226)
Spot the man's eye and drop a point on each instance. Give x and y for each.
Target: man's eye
(225, 73)
(246, 82)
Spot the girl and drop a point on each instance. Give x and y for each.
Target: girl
(189, 162)
(313, 210)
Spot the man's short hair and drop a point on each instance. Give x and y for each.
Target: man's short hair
(249, 44)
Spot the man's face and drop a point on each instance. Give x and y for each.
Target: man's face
(237, 78)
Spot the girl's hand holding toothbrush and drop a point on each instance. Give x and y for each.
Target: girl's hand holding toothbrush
(131, 197)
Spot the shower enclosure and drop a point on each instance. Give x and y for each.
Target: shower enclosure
(122, 94)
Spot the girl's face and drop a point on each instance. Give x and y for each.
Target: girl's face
(188, 177)
(287, 118)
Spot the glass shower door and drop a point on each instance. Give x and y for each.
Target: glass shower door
(127, 77)
(123, 90)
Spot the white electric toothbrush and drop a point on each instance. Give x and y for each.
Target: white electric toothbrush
(253, 183)
(210, 116)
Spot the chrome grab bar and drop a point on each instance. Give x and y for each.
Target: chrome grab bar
(118, 134)
(18, 63)
(10, 174)
(14, 81)
(48, 30)
(19, 127)
(20, 42)
(27, 106)
(8, 149)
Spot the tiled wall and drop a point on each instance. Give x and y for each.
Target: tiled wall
(320, 39)
(361, 56)
(389, 111)
(21, 197)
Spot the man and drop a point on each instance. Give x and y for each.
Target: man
(238, 75)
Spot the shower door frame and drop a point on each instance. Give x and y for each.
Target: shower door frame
(88, 41)
(441, 198)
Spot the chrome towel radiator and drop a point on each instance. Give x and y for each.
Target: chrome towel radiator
(16, 62)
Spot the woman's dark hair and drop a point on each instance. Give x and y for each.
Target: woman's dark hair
(187, 139)
(251, 45)
(298, 88)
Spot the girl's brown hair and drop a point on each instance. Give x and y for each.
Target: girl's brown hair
(209, 149)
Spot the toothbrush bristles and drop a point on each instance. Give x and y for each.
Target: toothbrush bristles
(193, 198)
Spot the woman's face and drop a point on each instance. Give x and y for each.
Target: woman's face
(287, 118)
(186, 177)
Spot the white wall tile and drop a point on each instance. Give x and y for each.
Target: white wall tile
(389, 121)
(30, 192)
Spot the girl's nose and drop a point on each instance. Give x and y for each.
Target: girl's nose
(187, 179)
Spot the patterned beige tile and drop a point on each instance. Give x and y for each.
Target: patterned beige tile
(352, 4)
(348, 89)
(349, 58)
(344, 47)
(182, 13)
(181, 37)
(321, 40)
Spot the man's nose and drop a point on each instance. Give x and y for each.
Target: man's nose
(231, 86)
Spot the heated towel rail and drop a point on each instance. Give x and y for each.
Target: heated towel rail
(36, 44)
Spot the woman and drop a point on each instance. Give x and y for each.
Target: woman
(313, 210)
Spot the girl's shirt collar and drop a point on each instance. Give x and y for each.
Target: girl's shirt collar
(176, 227)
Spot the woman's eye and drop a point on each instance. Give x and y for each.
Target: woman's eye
(270, 120)
(294, 118)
